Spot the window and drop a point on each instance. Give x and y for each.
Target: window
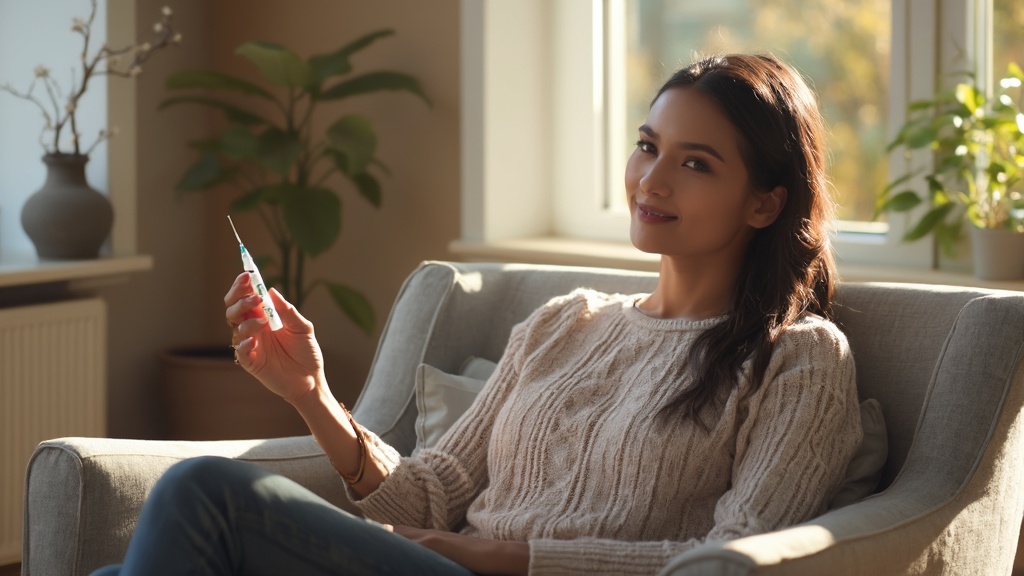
(848, 68)
(577, 75)
(34, 34)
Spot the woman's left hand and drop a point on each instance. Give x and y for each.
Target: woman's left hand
(480, 555)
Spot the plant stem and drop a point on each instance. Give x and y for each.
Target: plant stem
(300, 296)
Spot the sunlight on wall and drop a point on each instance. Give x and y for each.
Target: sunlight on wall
(33, 34)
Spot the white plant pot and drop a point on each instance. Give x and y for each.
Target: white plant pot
(998, 253)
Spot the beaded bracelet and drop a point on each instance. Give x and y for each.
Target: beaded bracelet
(354, 479)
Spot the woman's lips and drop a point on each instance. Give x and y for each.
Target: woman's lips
(650, 215)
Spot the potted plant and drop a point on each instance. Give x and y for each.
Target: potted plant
(977, 175)
(270, 155)
(66, 218)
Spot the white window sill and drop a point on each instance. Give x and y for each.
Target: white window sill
(573, 252)
(27, 269)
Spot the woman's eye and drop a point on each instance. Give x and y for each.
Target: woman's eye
(696, 164)
(645, 146)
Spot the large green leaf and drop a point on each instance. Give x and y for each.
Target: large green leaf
(901, 202)
(313, 218)
(375, 82)
(237, 143)
(279, 65)
(234, 113)
(968, 96)
(353, 137)
(928, 222)
(368, 187)
(204, 173)
(1015, 72)
(215, 81)
(919, 136)
(324, 66)
(278, 150)
(354, 305)
(248, 201)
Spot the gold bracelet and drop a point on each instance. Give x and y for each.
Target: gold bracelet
(353, 480)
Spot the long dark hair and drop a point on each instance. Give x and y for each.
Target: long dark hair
(788, 269)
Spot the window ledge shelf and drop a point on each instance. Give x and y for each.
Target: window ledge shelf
(26, 269)
(574, 252)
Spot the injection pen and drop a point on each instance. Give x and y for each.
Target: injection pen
(257, 281)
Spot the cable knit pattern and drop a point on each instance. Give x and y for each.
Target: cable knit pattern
(565, 449)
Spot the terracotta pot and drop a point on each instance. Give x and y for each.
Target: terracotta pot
(207, 397)
(67, 219)
(998, 253)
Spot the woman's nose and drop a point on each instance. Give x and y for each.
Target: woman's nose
(654, 181)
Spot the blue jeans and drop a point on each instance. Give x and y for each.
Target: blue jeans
(210, 516)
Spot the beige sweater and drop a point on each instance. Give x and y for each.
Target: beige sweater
(564, 449)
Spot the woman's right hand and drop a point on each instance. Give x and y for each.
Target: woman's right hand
(287, 361)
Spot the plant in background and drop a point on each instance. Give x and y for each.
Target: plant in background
(59, 108)
(271, 156)
(978, 173)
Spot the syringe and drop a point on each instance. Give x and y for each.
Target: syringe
(257, 282)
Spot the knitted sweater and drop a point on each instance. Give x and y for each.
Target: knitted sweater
(565, 448)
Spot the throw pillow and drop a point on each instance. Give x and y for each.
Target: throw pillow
(865, 469)
(441, 397)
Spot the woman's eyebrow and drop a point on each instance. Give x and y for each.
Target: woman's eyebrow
(686, 145)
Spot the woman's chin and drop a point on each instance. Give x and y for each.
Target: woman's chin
(643, 244)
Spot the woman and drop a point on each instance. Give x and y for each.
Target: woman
(617, 431)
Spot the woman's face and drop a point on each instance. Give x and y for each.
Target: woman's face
(688, 189)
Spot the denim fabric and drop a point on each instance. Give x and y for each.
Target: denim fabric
(215, 516)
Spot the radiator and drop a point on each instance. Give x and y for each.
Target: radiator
(52, 384)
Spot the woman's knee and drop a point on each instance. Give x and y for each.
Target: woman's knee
(206, 477)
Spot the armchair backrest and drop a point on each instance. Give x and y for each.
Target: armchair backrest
(955, 350)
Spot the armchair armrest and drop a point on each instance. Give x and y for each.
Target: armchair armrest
(896, 531)
(83, 495)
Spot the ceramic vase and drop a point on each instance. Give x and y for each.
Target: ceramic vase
(998, 253)
(67, 219)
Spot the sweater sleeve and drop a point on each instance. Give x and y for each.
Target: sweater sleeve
(435, 488)
(802, 428)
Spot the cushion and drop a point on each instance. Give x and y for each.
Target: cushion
(865, 469)
(441, 397)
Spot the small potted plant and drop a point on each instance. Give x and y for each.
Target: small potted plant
(977, 175)
(270, 156)
(66, 218)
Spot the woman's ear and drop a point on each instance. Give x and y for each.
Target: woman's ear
(767, 207)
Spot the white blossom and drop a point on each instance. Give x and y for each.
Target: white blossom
(42, 71)
(166, 11)
(158, 27)
(177, 38)
(135, 71)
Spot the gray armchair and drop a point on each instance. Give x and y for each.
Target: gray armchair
(945, 363)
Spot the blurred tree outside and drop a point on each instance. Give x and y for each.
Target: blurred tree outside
(841, 48)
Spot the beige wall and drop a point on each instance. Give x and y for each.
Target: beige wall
(196, 258)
